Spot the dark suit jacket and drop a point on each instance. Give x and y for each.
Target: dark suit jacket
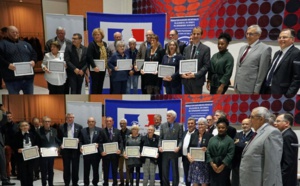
(195, 139)
(286, 77)
(211, 129)
(181, 45)
(175, 134)
(63, 132)
(48, 44)
(18, 144)
(231, 131)
(149, 143)
(192, 136)
(202, 53)
(289, 160)
(42, 140)
(239, 147)
(73, 61)
(85, 138)
(93, 52)
(104, 138)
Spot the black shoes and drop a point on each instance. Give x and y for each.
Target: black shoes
(7, 183)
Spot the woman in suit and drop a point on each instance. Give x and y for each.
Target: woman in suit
(152, 83)
(54, 80)
(119, 78)
(172, 58)
(221, 66)
(97, 50)
(220, 152)
(199, 171)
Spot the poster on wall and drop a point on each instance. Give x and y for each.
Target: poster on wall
(198, 110)
(184, 26)
(140, 112)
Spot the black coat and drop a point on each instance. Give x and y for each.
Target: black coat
(116, 138)
(63, 132)
(85, 138)
(146, 141)
(73, 61)
(42, 140)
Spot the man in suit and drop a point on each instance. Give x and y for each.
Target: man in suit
(75, 57)
(193, 82)
(210, 124)
(240, 140)
(34, 128)
(252, 63)
(187, 136)
(4, 179)
(170, 130)
(47, 138)
(289, 160)
(70, 157)
(231, 131)
(283, 76)
(90, 134)
(157, 125)
(125, 132)
(260, 164)
(109, 135)
(173, 35)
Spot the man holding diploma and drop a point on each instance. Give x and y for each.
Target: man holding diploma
(90, 135)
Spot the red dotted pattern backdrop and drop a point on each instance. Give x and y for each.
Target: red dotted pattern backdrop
(231, 16)
(239, 107)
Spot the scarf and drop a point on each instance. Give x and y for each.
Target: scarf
(103, 54)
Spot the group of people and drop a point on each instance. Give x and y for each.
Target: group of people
(256, 71)
(261, 154)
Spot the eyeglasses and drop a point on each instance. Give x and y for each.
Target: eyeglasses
(252, 117)
(283, 37)
(251, 34)
(277, 121)
(171, 34)
(74, 38)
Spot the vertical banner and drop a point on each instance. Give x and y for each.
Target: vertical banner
(198, 110)
(184, 26)
(140, 112)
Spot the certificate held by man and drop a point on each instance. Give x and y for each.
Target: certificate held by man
(89, 149)
(23, 69)
(188, 66)
(111, 148)
(169, 145)
(49, 152)
(70, 143)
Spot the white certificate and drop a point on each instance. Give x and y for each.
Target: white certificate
(139, 64)
(70, 143)
(197, 154)
(100, 64)
(30, 153)
(150, 67)
(124, 64)
(89, 149)
(150, 152)
(165, 70)
(186, 66)
(111, 148)
(56, 66)
(49, 152)
(133, 151)
(23, 69)
(169, 145)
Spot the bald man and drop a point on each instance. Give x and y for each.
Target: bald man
(12, 51)
(241, 139)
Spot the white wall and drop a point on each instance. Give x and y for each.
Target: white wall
(117, 6)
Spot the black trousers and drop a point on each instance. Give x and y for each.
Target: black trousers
(186, 167)
(36, 168)
(167, 158)
(75, 82)
(138, 173)
(47, 170)
(213, 90)
(25, 171)
(110, 160)
(97, 79)
(220, 179)
(88, 161)
(159, 163)
(56, 89)
(71, 167)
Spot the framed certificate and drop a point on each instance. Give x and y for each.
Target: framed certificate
(124, 64)
(100, 64)
(70, 143)
(30, 153)
(197, 154)
(150, 152)
(169, 145)
(56, 66)
(150, 67)
(89, 149)
(165, 70)
(23, 69)
(139, 63)
(186, 66)
(133, 151)
(110, 148)
(49, 152)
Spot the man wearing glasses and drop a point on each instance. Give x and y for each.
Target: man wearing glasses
(173, 35)
(283, 76)
(252, 63)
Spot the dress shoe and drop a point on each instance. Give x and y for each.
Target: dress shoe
(7, 183)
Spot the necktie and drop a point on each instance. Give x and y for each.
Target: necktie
(110, 134)
(271, 72)
(254, 134)
(26, 138)
(193, 52)
(171, 127)
(70, 134)
(245, 53)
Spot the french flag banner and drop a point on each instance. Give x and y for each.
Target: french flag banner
(129, 25)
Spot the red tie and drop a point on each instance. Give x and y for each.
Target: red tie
(245, 53)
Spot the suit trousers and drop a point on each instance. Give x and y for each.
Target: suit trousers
(170, 157)
(47, 170)
(159, 163)
(235, 176)
(71, 159)
(121, 169)
(75, 83)
(190, 87)
(25, 171)
(36, 168)
(2, 164)
(88, 161)
(186, 167)
(110, 160)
